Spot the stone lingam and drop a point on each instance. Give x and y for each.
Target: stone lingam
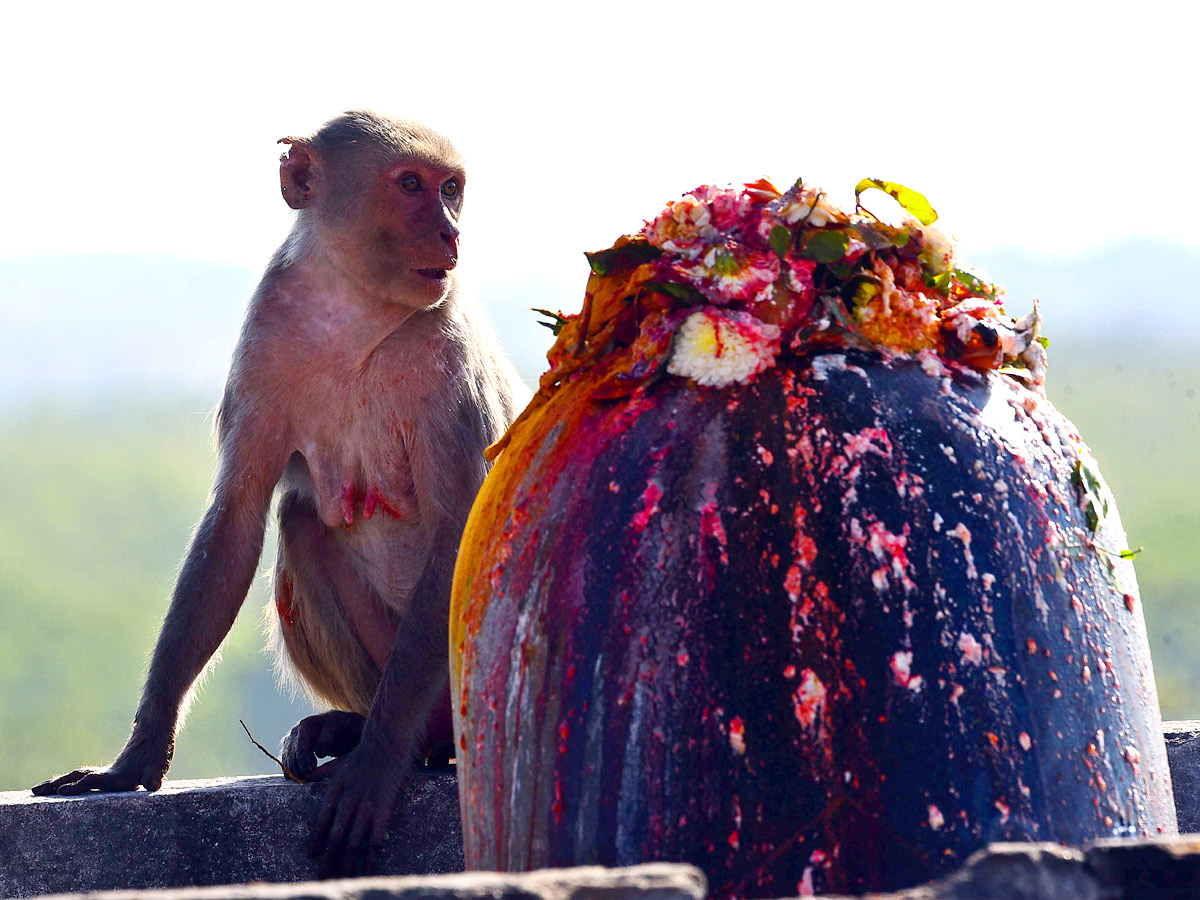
(790, 570)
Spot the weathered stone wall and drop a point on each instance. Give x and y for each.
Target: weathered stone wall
(237, 830)
(226, 831)
(657, 881)
(1183, 753)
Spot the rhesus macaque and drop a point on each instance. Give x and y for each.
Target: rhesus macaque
(365, 390)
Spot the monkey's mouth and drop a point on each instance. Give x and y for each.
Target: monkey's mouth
(434, 274)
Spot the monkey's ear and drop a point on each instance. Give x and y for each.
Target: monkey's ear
(297, 173)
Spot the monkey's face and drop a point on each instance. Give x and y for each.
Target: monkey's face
(406, 235)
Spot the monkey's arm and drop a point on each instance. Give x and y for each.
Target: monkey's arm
(216, 574)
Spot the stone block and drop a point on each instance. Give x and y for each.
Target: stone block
(224, 831)
(655, 881)
(1183, 756)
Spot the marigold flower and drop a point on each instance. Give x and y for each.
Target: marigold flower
(896, 318)
(718, 347)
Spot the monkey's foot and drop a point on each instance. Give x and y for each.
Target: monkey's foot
(333, 733)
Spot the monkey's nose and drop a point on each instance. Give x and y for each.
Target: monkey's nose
(451, 241)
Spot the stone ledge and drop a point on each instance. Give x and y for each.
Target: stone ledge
(655, 881)
(224, 831)
(237, 830)
(1183, 756)
(1167, 869)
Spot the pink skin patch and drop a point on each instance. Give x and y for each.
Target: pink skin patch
(284, 592)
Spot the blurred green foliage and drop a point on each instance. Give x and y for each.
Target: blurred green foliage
(97, 503)
(96, 507)
(1138, 407)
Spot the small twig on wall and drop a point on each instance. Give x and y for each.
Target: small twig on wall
(277, 760)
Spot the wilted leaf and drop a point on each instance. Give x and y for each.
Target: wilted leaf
(556, 322)
(912, 201)
(622, 256)
(683, 292)
(873, 237)
(975, 282)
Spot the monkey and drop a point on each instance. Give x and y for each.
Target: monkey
(363, 390)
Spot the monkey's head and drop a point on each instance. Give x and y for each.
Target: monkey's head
(382, 198)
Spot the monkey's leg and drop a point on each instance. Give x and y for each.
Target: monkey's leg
(316, 637)
(363, 789)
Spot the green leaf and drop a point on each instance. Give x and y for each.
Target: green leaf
(1086, 477)
(873, 237)
(781, 240)
(629, 255)
(825, 246)
(1044, 341)
(1131, 554)
(557, 321)
(912, 201)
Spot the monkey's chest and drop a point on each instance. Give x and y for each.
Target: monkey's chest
(358, 437)
(350, 487)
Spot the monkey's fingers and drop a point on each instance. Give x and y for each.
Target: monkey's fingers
(332, 839)
(329, 808)
(50, 787)
(99, 781)
(354, 850)
(375, 843)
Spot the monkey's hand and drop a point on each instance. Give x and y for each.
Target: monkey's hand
(332, 733)
(143, 763)
(359, 800)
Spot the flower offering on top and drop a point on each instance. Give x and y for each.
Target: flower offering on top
(725, 279)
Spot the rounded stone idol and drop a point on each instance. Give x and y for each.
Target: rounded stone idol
(791, 571)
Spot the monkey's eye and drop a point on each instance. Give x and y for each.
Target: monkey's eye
(410, 183)
(451, 188)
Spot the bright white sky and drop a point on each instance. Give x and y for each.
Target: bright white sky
(151, 128)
